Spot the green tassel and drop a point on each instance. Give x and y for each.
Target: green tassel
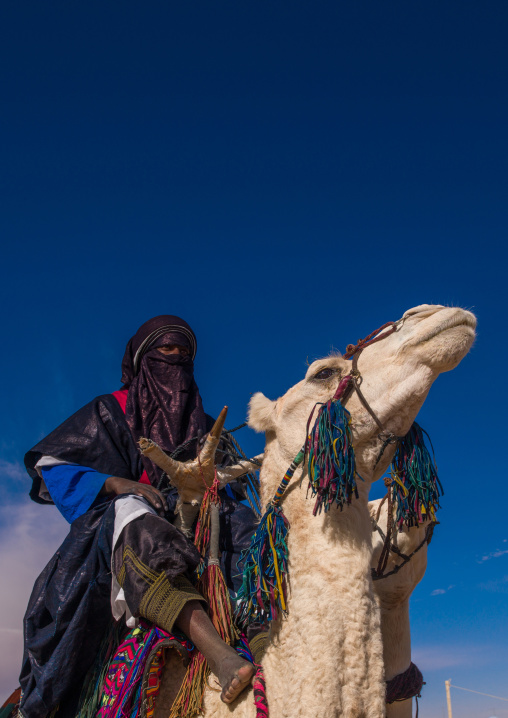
(415, 484)
(331, 464)
(263, 593)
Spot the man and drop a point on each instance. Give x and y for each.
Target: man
(90, 459)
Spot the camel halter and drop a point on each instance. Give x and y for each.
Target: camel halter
(414, 489)
(351, 382)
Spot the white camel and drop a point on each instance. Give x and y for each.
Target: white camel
(326, 658)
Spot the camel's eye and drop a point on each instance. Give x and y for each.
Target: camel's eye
(324, 374)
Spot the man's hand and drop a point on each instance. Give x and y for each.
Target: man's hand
(114, 486)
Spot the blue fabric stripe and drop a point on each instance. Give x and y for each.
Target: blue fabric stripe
(73, 488)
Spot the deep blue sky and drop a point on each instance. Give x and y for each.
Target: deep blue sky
(287, 177)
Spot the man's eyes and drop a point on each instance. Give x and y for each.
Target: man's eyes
(168, 348)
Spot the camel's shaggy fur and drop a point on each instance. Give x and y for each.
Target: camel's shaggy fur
(326, 658)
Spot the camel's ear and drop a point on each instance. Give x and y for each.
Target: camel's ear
(261, 413)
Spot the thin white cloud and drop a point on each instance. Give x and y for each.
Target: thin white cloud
(494, 554)
(13, 471)
(440, 591)
(29, 535)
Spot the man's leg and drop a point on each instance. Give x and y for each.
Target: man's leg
(233, 672)
(150, 561)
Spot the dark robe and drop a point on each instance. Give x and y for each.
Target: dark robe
(61, 640)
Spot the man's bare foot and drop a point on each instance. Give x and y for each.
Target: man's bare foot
(233, 672)
(234, 675)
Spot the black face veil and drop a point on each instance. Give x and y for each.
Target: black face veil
(163, 403)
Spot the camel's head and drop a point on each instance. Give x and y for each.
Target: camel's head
(396, 375)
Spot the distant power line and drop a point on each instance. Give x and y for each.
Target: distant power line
(489, 695)
(448, 685)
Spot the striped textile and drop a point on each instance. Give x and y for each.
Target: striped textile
(122, 687)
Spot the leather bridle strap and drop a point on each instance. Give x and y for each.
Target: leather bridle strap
(372, 338)
(356, 379)
(353, 351)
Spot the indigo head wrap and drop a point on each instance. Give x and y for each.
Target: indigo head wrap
(146, 337)
(163, 402)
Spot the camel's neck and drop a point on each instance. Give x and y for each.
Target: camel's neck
(397, 652)
(331, 638)
(397, 639)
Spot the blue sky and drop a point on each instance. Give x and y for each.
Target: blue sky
(287, 177)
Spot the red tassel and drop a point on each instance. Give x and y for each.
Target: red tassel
(213, 587)
(189, 700)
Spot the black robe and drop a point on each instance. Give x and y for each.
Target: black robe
(67, 616)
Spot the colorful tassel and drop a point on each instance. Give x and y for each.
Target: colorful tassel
(415, 484)
(212, 586)
(331, 458)
(203, 524)
(263, 593)
(189, 699)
